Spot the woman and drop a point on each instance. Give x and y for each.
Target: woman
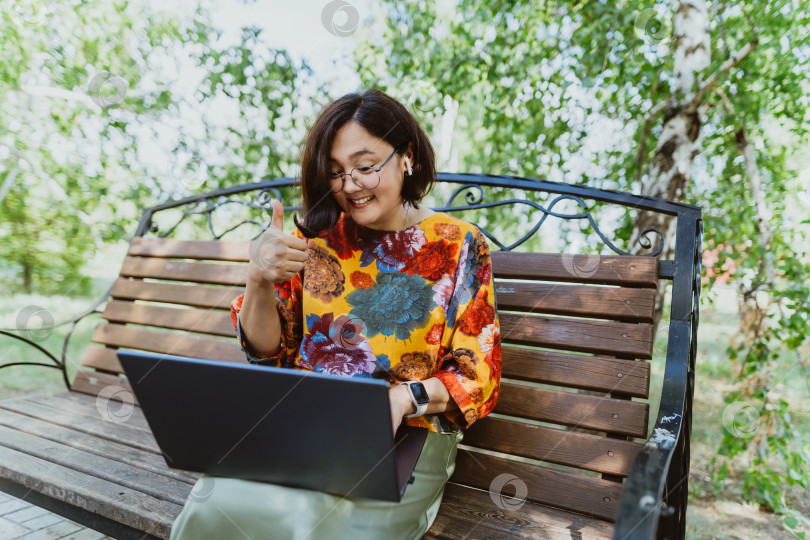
(371, 284)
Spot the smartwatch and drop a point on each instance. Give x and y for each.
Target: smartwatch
(419, 396)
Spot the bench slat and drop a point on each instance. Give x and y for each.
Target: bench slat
(606, 270)
(94, 445)
(583, 335)
(108, 499)
(564, 447)
(92, 383)
(197, 272)
(181, 344)
(217, 250)
(575, 371)
(150, 483)
(468, 513)
(578, 493)
(596, 269)
(579, 410)
(94, 426)
(204, 296)
(614, 303)
(81, 403)
(203, 321)
(102, 358)
(600, 373)
(586, 301)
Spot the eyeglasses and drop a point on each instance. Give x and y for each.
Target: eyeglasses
(364, 177)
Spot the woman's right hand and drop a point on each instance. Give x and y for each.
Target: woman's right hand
(275, 256)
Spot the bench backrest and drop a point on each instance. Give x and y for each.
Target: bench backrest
(576, 332)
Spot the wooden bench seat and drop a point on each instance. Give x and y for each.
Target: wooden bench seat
(562, 437)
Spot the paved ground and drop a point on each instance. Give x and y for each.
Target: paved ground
(20, 520)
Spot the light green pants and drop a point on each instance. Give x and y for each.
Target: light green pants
(232, 509)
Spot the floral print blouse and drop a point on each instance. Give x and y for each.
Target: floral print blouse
(396, 305)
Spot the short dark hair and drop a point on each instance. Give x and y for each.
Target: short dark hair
(382, 116)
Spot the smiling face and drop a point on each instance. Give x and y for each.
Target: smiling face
(355, 146)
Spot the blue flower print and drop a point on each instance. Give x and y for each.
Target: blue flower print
(396, 304)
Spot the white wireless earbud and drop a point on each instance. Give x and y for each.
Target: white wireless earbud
(408, 162)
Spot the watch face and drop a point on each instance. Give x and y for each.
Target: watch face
(420, 393)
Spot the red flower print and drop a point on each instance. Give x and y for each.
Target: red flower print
(484, 272)
(343, 237)
(236, 308)
(320, 353)
(361, 280)
(479, 314)
(434, 260)
(390, 249)
(284, 289)
(434, 336)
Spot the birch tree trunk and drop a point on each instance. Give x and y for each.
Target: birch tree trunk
(679, 142)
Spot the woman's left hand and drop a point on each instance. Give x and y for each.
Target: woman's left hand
(400, 405)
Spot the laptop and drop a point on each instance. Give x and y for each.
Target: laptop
(292, 427)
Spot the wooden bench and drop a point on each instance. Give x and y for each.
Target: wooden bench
(568, 452)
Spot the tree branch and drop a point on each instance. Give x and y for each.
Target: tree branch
(752, 170)
(708, 84)
(9, 182)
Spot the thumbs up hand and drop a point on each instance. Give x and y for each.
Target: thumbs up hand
(275, 256)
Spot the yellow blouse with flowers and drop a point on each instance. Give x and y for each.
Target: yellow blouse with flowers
(396, 305)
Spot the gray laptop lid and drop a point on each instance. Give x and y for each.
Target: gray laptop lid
(284, 426)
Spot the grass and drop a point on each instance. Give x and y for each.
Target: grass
(718, 512)
(30, 311)
(715, 512)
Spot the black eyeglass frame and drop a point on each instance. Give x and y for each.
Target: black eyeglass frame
(334, 175)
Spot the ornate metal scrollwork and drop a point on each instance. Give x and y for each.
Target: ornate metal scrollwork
(475, 202)
(209, 206)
